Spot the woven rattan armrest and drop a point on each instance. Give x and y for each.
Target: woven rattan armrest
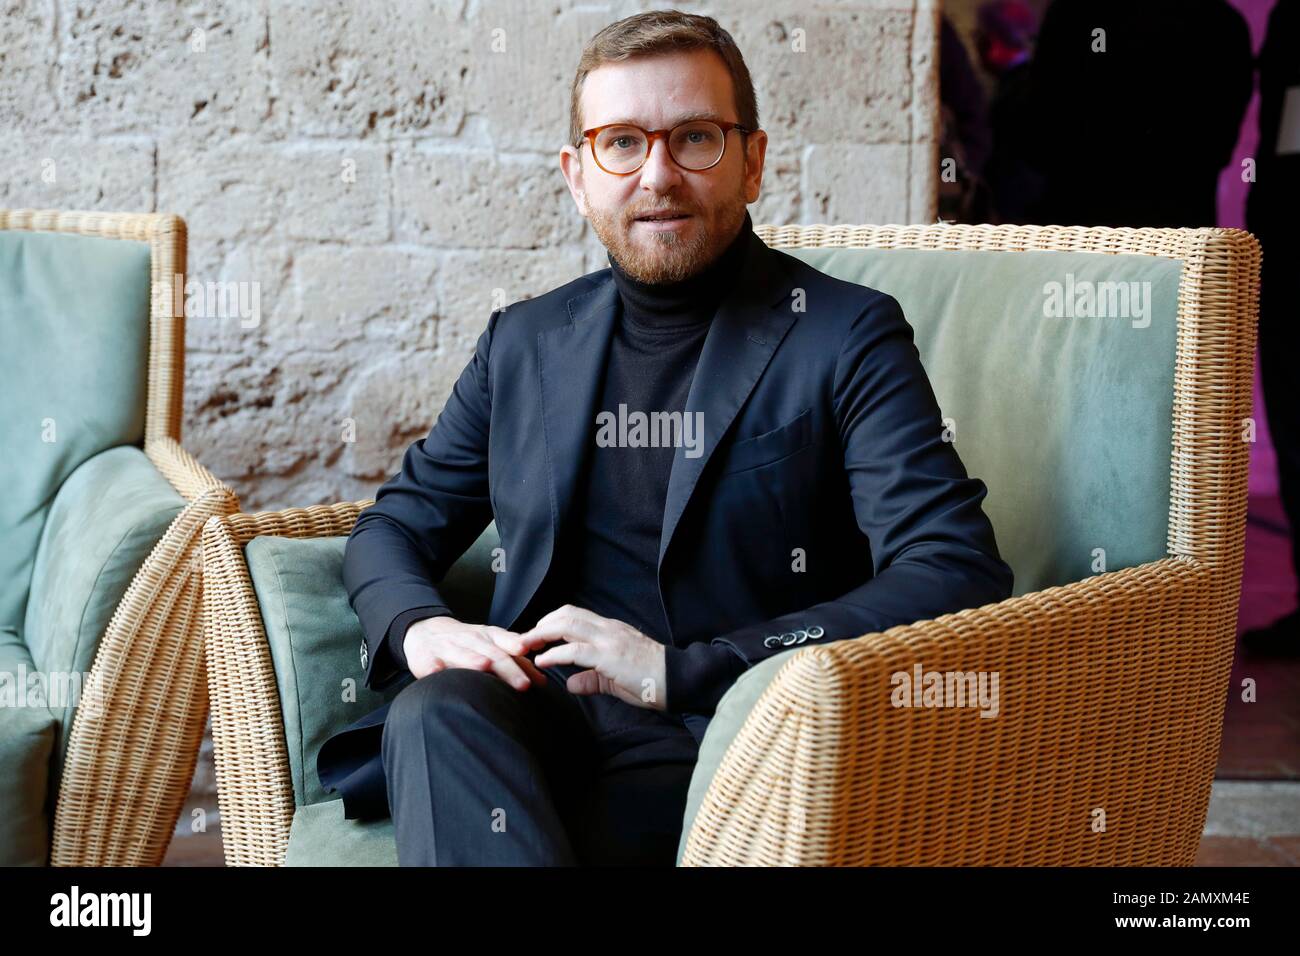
(1109, 710)
(130, 762)
(254, 788)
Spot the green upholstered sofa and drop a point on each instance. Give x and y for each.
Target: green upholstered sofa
(101, 698)
(1110, 438)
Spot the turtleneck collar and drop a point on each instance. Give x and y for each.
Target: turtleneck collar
(690, 301)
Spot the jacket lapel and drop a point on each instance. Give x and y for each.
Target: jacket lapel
(570, 362)
(745, 332)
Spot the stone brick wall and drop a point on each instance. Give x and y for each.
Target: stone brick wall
(384, 174)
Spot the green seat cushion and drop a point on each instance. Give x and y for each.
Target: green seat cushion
(314, 637)
(74, 317)
(27, 731)
(1067, 420)
(103, 523)
(320, 836)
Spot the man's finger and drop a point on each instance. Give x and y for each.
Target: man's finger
(531, 670)
(502, 664)
(512, 643)
(539, 639)
(579, 619)
(479, 643)
(478, 652)
(584, 655)
(458, 654)
(567, 629)
(584, 682)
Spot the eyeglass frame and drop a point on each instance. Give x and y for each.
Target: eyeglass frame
(589, 136)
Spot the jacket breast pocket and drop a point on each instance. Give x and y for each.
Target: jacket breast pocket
(771, 446)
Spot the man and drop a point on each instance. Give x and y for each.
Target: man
(807, 494)
(1005, 40)
(1136, 109)
(1274, 198)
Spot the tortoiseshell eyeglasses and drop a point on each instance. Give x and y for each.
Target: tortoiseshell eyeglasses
(622, 148)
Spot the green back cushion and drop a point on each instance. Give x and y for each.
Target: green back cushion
(105, 519)
(1067, 420)
(74, 316)
(313, 636)
(27, 732)
(315, 639)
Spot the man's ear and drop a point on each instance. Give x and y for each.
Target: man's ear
(571, 167)
(755, 153)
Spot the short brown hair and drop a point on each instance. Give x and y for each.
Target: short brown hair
(663, 31)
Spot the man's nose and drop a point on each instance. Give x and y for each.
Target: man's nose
(659, 173)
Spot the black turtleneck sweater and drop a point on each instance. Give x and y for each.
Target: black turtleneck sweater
(608, 563)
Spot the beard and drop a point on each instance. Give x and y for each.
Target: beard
(660, 257)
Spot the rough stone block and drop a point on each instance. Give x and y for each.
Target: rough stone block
(383, 69)
(481, 199)
(132, 66)
(856, 184)
(248, 188)
(54, 171)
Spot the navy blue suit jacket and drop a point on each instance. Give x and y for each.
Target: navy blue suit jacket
(826, 499)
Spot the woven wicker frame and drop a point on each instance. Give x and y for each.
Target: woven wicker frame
(254, 790)
(129, 765)
(1113, 687)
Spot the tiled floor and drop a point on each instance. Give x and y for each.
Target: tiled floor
(1252, 823)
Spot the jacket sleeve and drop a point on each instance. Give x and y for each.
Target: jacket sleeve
(932, 546)
(423, 518)
(697, 676)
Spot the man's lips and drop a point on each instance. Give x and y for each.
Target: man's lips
(651, 217)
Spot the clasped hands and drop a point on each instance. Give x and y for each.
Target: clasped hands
(620, 660)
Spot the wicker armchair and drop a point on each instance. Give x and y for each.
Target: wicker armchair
(128, 763)
(1115, 682)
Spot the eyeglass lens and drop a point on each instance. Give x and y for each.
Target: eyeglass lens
(697, 145)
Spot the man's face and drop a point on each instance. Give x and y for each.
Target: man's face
(658, 92)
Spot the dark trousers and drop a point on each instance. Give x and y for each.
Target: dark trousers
(481, 774)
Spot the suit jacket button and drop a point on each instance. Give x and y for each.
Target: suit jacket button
(771, 640)
(816, 631)
(365, 657)
(789, 637)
